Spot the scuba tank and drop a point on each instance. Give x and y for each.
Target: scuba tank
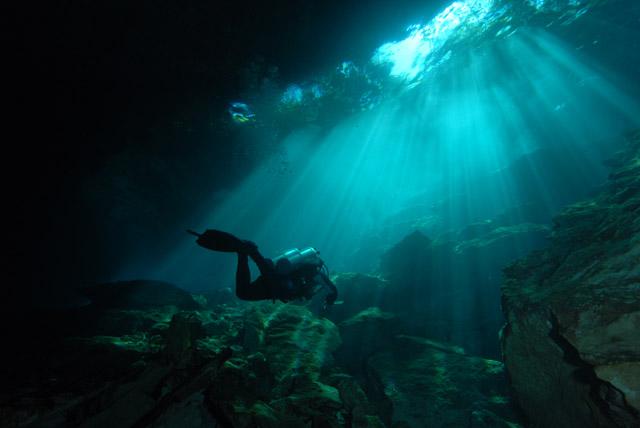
(298, 258)
(301, 268)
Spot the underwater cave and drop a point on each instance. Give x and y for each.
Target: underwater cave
(323, 214)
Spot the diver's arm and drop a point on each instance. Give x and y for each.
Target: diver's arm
(329, 285)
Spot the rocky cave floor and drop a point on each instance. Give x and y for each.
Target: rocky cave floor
(206, 363)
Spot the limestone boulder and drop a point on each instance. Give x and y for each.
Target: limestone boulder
(449, 289)
(356, 292)
(437, 385)
(364, 334)
(296, 340)
(571, 342)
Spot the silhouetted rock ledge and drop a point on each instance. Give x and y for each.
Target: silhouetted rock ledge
(571, 343)
(138, 294)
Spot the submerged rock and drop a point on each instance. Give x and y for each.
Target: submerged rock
(420, 278)
(181, 336)
(499, 237)
(367, 332)
(436, 385)
(296, 340)
(276, 378)
(357, 292)
(138, 294)
(571, 342)
(260, 364)
(450, 290)
(356, 405)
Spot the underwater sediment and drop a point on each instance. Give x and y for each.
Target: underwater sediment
(571, 343)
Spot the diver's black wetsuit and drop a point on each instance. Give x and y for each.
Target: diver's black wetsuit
(271, 284)
(260, 289)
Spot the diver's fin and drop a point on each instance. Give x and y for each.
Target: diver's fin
(218, 240)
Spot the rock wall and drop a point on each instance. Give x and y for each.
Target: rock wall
(449, 289)
(571, 343)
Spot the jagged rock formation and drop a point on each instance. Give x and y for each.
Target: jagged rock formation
(417, 382)
(357, 292)
(449, 289)
(431, 385)
(138, 294)
(250, 365)
(267, 365)
(364, 334)
(571, 343)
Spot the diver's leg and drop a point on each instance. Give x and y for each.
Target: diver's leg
(217, 240)
(264, 265)
(243, 276)
(246, 290)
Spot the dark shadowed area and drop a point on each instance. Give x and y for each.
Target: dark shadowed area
(119, 113)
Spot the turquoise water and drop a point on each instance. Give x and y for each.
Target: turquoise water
(428, 150)
(474, 127)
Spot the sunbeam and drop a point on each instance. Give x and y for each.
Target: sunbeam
(325, 213)
(444, 148)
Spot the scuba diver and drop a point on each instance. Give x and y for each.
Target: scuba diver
(296, 274)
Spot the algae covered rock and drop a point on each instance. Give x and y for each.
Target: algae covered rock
(357, 292)
(294, 338)
(305, 396)
(498, 240)
(183, 332)
(276, 377)
(571, 342)
(190, 412)
(365, 333)
(262, 364)
(437, 385)
(227, 365)
(236, 382)
(357, 408)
